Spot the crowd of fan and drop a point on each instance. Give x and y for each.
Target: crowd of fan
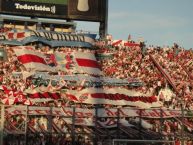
(135, 62)
(125, 62)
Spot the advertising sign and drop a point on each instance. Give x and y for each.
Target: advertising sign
(86, 9)
(43, 8)
(89, 10)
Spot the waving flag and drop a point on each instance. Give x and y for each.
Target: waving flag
(129, 44)
(116, 42)
(87, 63)
(32, 60)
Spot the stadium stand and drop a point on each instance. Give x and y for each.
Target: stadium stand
(72, 88)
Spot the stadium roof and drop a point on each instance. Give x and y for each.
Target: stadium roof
(31, 21)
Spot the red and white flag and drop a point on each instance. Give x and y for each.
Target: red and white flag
(87, 63)
(116, 42)
(32, 60)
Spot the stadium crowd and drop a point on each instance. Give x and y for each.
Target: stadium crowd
(122, 62)
(136, 63)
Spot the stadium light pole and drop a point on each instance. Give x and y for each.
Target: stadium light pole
(3, 54)
(1, 22)
(104, 24)
(25, 25)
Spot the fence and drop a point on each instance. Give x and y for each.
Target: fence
(25, 124)
(141, 142)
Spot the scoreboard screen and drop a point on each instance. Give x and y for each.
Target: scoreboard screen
(35, 8)
(88, 10)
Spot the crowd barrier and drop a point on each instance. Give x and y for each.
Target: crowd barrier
(93, 125)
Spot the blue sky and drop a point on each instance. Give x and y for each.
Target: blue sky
(159, 22)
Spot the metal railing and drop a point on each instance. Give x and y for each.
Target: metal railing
(95, 124)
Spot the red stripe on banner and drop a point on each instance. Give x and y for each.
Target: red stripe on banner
(29, 47)
(55, 96)
(27, 58)
(10, 35)
(87, 63)
(71, 97)
(21, 35)
(45, 95)
(124, 97)
(36, 95)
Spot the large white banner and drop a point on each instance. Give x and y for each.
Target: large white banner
(86, 63)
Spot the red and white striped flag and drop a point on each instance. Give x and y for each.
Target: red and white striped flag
(87, 63)
(116, 42)
(32, 60)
